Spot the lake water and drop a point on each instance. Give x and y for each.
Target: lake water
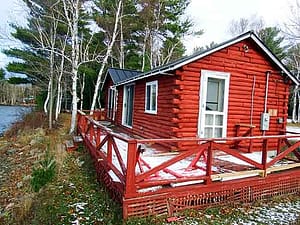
(9, 115)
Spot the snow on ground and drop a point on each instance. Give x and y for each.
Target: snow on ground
(150, 159)
(281, 213)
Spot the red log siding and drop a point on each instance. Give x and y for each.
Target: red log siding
(242, 66)
(106, 87)
(148, 125)
(178, 95)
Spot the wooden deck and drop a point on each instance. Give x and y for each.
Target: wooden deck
(151, 181)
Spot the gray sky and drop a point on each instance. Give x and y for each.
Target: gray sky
(11, 11)
(213, 16)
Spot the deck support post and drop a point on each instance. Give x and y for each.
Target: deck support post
(264, 156)
(130, 188)
(209, 162)
(109, 148)
(278, 146)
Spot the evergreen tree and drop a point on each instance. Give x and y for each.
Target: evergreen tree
(272, 39)
(2, 74)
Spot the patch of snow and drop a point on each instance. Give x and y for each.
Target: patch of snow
(281, 213)
(113, 176)
(255, 156)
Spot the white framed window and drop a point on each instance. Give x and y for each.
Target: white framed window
(151, 97)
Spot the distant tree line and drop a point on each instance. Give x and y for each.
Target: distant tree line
(69, 44)
(16, 90)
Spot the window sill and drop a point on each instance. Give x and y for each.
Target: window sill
(151, 112)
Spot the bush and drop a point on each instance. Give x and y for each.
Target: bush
(44, 173)
(32, 120)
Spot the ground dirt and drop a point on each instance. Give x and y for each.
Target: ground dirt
(75, 196)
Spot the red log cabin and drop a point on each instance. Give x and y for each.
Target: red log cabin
(238, 88)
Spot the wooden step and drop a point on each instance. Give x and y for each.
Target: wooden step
(77, 139)
(70, 146)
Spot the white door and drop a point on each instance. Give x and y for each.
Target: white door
(112, 103)
(128, 105)
(214, 91)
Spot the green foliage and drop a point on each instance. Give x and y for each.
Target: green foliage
(44, 173)
(272, 39)
(2, 74)
(18, 80)
(40, 99)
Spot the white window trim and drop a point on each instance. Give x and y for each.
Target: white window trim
(123, 105)
(156, 91)
(205, 74)
(114, 99)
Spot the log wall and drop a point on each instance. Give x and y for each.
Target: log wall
(178, 95)
(243, 67)
(149, 125)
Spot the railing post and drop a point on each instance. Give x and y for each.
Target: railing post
(237, 133)
(98, 136)
(109, 148)
(264, 155)
(130, 188)
(251, 140)
(279, 146)
(209, 163)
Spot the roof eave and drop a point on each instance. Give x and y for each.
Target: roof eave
(176, 66)
(244, 36)
(274, 58)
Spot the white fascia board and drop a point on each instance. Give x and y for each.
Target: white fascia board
(225, 45)
(274, 58)
(176, 66)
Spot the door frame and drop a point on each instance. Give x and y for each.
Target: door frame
(125, 98)
(205, 74)
(112, 103)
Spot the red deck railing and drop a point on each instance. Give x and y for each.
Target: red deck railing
(121, 165)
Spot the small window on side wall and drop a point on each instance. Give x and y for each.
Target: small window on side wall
(151, 97)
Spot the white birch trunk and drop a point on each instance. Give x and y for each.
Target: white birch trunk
(82, 91)
(122, 57)
(51, 100)
(47, 99)
(107, 55)
(298, 109)
(294, 115)
(72, 19)
(144, 48)
(59, 86)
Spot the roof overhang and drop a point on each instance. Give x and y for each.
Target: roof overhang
(174, 66)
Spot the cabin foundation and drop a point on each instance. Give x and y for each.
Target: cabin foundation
(147, 182)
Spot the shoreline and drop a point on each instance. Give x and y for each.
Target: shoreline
(20, 105)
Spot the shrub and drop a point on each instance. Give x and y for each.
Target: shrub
(44, 173)
(32, 120)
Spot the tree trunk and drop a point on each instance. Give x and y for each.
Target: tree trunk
(47, 99)
(51, 100)
(82, 91)
(107, 55)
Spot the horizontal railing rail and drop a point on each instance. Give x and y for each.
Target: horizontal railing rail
(126, 157)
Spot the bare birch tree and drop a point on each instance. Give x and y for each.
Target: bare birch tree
(106, 56)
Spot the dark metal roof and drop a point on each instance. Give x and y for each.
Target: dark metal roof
(188, 59)
(120, 75)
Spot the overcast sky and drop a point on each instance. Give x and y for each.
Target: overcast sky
(213, 16)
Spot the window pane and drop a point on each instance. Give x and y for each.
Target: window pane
(218, 132)
(212, 90)
(219, 120)
(209, 119)
(148, 92)
(153, 97)
(221, 95)
(215, 94)
(208, 132)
